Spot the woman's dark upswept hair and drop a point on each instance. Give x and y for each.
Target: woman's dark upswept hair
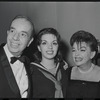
(42, 32)
(83, 36)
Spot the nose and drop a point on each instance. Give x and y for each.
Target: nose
(77, 53)
(50, 46)
(16, 36)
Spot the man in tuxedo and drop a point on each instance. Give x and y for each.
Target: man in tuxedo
(15, 78)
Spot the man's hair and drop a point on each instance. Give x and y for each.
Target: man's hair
(27, 19)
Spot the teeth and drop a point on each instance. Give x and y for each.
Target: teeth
(78, 59)
(14, 44)
(50, 52)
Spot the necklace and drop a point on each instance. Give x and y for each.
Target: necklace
(92, 66)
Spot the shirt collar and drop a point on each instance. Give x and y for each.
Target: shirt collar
(9, 55)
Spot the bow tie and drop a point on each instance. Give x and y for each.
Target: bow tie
(14, 59)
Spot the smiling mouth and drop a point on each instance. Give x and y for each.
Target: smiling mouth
(49, 52)
(14, 44)
(78, 59)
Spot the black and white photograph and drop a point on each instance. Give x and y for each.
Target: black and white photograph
(50, 50)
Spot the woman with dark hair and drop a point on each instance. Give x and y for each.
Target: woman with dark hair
(48, 71)
(84, 77)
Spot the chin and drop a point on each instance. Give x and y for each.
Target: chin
(50, 58)
(78, 63)
(13, 50)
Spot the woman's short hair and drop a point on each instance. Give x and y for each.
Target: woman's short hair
(84, 36)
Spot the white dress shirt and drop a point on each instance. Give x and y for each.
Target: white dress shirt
(19, 72)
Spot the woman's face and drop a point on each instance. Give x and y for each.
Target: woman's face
(82, 53)
(48, 46)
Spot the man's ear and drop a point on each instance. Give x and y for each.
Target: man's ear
(30, 42)
(7, 32)
(93, 53)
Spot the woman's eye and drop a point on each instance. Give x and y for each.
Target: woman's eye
(55, 43)
(43, 43)
(83, 50)
(73, 50)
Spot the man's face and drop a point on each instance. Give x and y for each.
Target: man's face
(19, 36)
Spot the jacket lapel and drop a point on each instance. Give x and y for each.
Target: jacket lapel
(27, 67)
(8, 73)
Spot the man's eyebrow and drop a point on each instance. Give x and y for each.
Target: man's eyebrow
(21, 31)
(12, 27)
(25, 32)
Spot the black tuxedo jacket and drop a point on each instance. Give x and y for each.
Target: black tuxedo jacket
(8, 85)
